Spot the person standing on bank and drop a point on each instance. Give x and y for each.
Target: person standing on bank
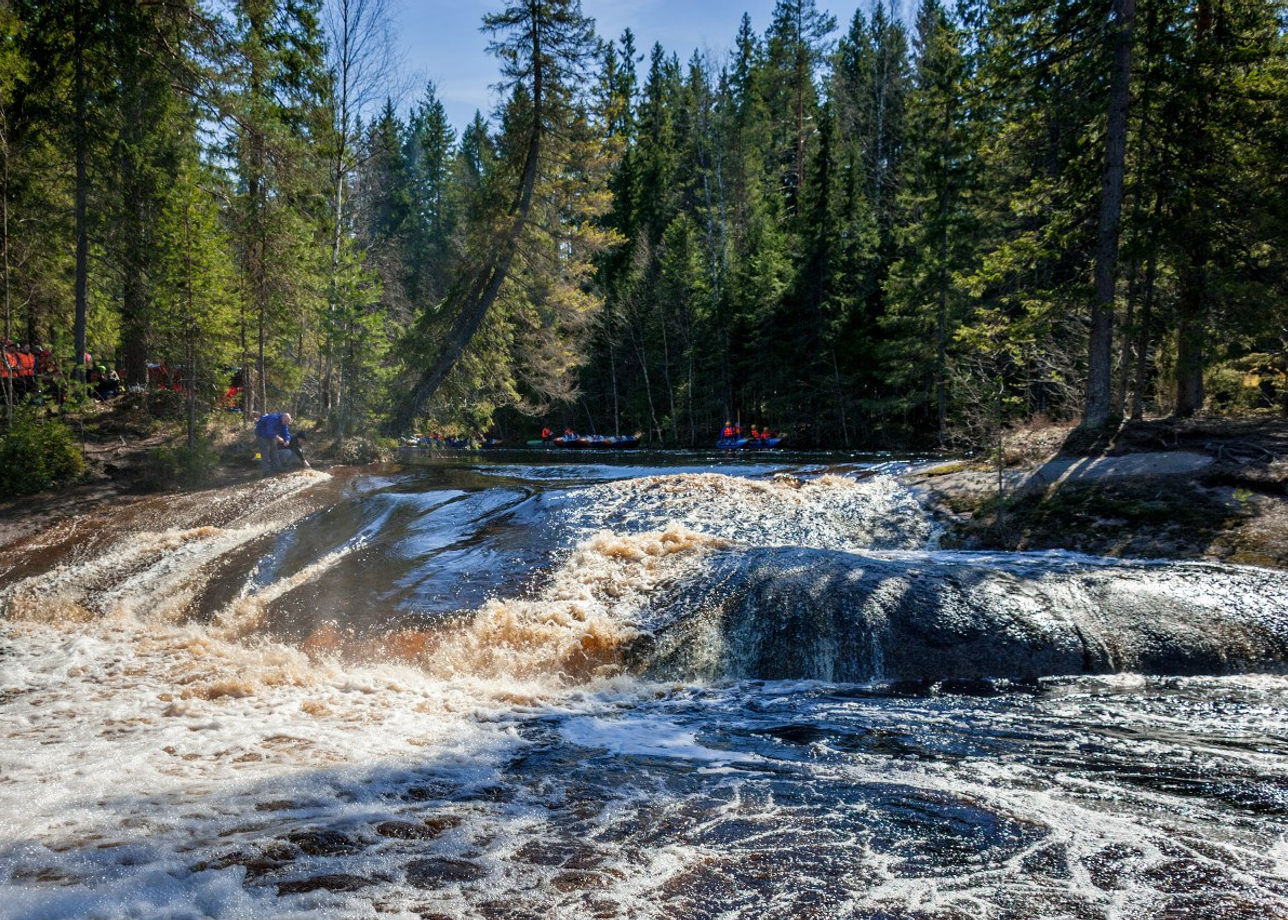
(272, 437)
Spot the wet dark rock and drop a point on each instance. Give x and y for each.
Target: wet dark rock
(428, 792)
(1050, 862)
(602, 910)
(322, 842)
(440, 823)
(1113, 866)
(794, 613)
(579, 881)
(500, 794)
(794, 734)
(439, 871)
(566, 853)
(336, 882)
(1204, 906)
(256, 862)
(411, 830)
(507, 910)
(1181, 876)
(276, 805)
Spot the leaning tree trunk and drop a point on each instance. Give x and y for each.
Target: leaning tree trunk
(480, 296)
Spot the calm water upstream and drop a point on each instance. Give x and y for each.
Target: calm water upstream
(547, 686)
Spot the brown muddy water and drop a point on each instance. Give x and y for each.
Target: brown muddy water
(626, 687)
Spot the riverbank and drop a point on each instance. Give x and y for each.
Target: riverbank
(133, 450)
(1199, 489)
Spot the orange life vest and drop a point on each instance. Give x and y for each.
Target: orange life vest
(26, 364)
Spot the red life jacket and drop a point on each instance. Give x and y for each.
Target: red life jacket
(8, 364)
(728, 431)
(26, 364)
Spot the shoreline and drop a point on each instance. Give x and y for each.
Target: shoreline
(1214, 490)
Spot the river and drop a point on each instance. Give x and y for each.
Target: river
(635, 686)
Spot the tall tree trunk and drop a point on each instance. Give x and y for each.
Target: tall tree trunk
(190, 324)
(6, 291)
(612, 368)
(840, 401)
(81, 142)
(134, 306)
(1142, 339)
(1099, 403)
(1191, 329)
(1191, 304)
(941, 313)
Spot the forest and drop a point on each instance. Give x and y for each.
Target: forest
(888, 233)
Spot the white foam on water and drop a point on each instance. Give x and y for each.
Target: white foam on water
(829, 512)
(650, 737)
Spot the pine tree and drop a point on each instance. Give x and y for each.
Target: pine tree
(277, 92)
(796, 44)
(150, 126)
(925, 300)
(429, 151)
(193, 284)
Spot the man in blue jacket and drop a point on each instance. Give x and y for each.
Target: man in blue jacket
(272, 437)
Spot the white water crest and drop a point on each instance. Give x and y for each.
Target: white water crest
(203, 715)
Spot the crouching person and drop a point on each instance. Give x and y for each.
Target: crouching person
(273, 438)
(296, 447)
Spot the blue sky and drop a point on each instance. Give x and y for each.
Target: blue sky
(442, 42)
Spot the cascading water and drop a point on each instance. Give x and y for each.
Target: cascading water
(475, 689)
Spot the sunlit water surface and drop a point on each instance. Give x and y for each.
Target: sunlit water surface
(425, 692)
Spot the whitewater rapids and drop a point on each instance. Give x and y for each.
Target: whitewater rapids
(501, 691)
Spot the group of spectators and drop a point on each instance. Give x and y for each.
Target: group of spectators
(30, 373)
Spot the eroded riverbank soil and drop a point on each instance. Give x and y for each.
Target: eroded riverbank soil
(1200, 489)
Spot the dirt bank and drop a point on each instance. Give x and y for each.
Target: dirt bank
(1200, 489)
(129, 448)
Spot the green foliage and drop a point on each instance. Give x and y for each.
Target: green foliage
(1255, 381)
(37, 454)
(879, 236)
(364, 450)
